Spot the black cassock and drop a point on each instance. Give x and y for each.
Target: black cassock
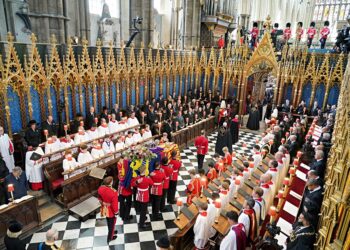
(234, 129)
(253, 120)
(224, 139)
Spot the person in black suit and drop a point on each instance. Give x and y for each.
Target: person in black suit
(151, 116)
(76, 123)
(116, 111)
(303, 235)
(293, 146)
(312, 174)
(89, 119)
(4, 171)
(11, 239)
(50, 126)
(32, 135)
(312, 196)
(319, 165)
(104, 114)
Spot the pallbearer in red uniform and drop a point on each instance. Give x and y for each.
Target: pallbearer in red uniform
(168, 172)
(287, 33)
(254, 33)
(142, 183)
(324, 34)
(300, 31)
(194, 187)
(201, 143)
(158, 178)
(125, 193)
(108, 197)
(311, 32)
(175, 165)
(212, 174)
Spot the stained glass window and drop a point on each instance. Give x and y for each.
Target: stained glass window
(332, 10)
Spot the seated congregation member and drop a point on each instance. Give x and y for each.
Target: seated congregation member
(312, 194)
(194, 187)
(201, 228)
(119, 145)
(146, 133)
(32, 135)
(257, 158)
(260, 206)
(11, 239)
(175, 164)
(303, 235)
(97, 151)
(50, 126)
(33, 168)
(132, 120)
(81, 136)
(108, 146)
(103, 128)
(248, 218)
(108, 197)
(168, 171)
(69, 164)
(19, 181)
(142, 183)
(158, 178)
(212, 174)
(124, 190)
(319, 165)
(236, 238)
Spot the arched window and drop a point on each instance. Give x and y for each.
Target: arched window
(96, 7)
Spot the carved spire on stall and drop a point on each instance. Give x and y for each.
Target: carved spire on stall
(99, 66)
(203, 59)
(70, 66)
(55, 72)
(141, 59)
(85, 68)
(212, 57)
(338, 71)
(323, 72)
(132, 60)
(110, 64)
(122, 59)
(149, 62)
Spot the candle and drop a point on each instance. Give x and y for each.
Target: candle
(272, 213)
(237, 182)
(218, 206)
(292, 171)
(251, 164)
(280, 194)
(10, 189)
(286, 181)
(178, 204)
(159, 125)
(299, 154)
(296, 162)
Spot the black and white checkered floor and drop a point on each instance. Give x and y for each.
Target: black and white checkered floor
(92, 233)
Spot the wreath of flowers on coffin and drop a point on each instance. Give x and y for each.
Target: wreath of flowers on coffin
(140, 159)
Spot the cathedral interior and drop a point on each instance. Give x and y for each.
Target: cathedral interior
(243, 107)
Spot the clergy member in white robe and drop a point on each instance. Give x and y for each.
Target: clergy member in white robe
(34, 170)
(146, 133)
(201, 227)
(256, 156)
(132, 120)
(103, 128)
(81, 136)
(6, 150)
(236, 238)
(69, 164)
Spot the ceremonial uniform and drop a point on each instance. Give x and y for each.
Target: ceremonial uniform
(158, 177)
(201, 143)
(324, 34)
(300, 32)
(193, 189)
(109, 207)
(142, 196)
(168, 172)
(311, 32)
(124, 191)
(254, 33)
(175, 165)
(235, 239)
(287, 33)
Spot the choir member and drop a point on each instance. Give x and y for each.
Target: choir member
(227, 157)
(19, 181)
(124, 190)
(97, 151)
(119, 145)
(132, 120)
(103, 128)
(108, 197)
(257, 158)
(93, 132)
(67, 142)
(260, 206)
(273, 170)
(248, 219)
(212, 174)
(236, 238)
(234, 128)
(194, 187)
(32, 135)
(108, 146)
(137, 138)
(129, 140)
(224, 194)
(142, 183)
(146, 132)
(201, 228)
(33, 168)
(303, 235)
(175, 164)
(6, 150)
(69, 164)
(158, 178)
(113, 125)
(52, 146)
(201, 143)
(267, 185)
(81, 136)
(84, 155)
(212, 212)
(168, 171)
(50, 126)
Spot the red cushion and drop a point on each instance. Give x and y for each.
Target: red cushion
(57, 183)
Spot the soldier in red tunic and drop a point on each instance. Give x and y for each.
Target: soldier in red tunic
(311, 32)
(201, 143)
(287, 33)
(194, 187)
(168, 172)
(175, 165)
(324, 34)
(300, 31)
(254, 33)
(125, 193)
(142, 183)
(108, 197)
(158, 178)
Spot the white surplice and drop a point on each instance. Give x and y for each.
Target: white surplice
(93, 134)
(212, 211)
(137, 137)
(113, 127)
(119, 146)
(6, 151)
(257, 159)
(103, 131)
(129, 141)
(230, 241)
(33, 169)
(97, 153)
(201, 231)
(70, 165)
(132, 122)
(81, 138)
(108, 147)
(244, 219)
(146, 134)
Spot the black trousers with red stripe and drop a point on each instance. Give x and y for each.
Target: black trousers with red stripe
(111, 226)
(172, 192)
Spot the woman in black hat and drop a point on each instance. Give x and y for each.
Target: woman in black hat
(32, 135)
(164, 243)
(11, 240)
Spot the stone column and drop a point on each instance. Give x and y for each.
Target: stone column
(188, 13)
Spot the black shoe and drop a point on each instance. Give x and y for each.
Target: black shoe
(113, 238)
(146, 225)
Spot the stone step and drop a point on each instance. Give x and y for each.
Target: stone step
(43, 200)
(49, 210)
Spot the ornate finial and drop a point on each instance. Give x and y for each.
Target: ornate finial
(69, 41)
(33, 38)
(98, 42)
(150, 45)
(267, 23)
(84, 42)
(142, 45)
(122, 44)
(132, 45)
(110, 43)
(10, 37)
(53, 39)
